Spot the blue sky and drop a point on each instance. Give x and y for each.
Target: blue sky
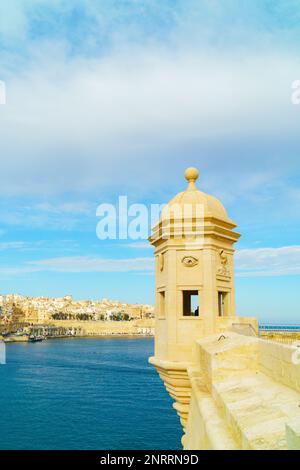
(106, 98)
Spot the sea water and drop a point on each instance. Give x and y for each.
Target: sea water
(85, 394)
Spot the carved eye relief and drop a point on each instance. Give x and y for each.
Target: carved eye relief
(189, 261)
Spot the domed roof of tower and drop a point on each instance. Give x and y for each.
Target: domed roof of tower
(205, 204)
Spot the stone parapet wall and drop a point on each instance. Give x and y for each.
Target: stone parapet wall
(240, 393)
(279, 362)
(280, 336)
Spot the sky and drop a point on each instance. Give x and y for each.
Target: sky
(107, 98)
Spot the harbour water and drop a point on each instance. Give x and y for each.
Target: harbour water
(85, 394)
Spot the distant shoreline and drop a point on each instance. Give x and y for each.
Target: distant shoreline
(79, 329)
(111, 336)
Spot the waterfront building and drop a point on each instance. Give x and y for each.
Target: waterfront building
(232, 389)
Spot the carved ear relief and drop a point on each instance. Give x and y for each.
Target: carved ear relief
(223, 268)
(189, 261)
(161, 261)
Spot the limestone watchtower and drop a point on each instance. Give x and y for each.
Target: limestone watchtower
(193, 243)
(231, 389)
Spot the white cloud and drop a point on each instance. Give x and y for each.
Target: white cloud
(281, 261)
(39, 245)
(79, 264)
(65, 216)
(13, 21)
(109, 122)
(249, 263)
(64, 208)
(139, 245)
(89, 109)
(12, 245)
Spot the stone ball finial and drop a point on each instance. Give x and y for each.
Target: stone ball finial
(191, 174)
